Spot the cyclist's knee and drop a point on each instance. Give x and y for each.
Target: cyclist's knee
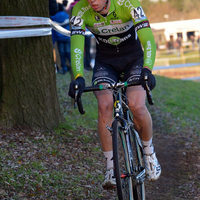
(105, 106)
(139, 111)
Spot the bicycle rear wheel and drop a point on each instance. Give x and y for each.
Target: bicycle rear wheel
(137, 166)
(121, 163)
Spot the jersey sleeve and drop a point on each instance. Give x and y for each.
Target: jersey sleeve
(147, 39)
(144, 33)
(77, 42)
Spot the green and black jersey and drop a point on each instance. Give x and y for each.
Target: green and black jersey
(121, 31)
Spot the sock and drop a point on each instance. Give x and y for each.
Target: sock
(148, 147)
(109, 159)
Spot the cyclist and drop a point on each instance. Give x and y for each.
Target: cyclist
(120, 27)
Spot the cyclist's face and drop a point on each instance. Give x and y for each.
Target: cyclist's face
(97, 5)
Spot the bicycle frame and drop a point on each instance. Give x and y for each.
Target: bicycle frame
(122, 113)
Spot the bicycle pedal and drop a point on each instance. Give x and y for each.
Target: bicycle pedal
(141, 176)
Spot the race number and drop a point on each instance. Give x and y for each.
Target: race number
(138, 14)
(76, 21)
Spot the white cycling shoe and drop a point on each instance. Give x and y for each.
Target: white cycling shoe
(152, 167)
(110, 181)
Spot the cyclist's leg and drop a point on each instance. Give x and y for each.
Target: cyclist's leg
(136, 97)
(104, 74)
(142, 119)
(105, 115)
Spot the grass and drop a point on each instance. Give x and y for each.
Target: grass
(187, 56)
(72, 116)
(178, 100)
(68, 163)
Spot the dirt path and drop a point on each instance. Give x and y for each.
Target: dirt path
(180, 177)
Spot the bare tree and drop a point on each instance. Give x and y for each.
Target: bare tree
(28, 96)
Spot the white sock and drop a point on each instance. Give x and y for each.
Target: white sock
(148, 147)
(109, 159)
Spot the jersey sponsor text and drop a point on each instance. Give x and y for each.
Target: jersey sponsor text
(78, 56)
(112, 29)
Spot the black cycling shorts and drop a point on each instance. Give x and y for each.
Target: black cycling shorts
(117, 67)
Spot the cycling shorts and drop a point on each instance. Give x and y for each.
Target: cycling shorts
(117, 68)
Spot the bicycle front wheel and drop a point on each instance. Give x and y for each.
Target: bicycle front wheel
(121, 163)
(137, 166)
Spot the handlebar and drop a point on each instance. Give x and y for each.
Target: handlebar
(148, 91)
(78, 101)
(112, 86)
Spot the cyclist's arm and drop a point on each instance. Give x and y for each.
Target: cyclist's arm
(147, 39)
(144, 33)
(77, 55)
(77, 42)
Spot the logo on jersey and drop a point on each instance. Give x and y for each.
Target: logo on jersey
(97, 17)
(141, 25)
(95, 31)
(120, 2)
(83, 10)
(138, 14)
(99, 24)
(148, 49)
(114, 40)
(126, 3)
(113, 29)
(76, 21)
(114, 14)
(77, 32)
(119, 21)
(101, 69)
(148, 60)
(78, 57)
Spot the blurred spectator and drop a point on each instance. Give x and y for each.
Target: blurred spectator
(53, 7)
(72, 4)
(63, 42)
(198, 41)
(157, 49)
(170, 44)
(65, 2)
(178, 45)
(192, 40)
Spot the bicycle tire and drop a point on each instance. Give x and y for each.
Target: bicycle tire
(121, 163)
(137, 165)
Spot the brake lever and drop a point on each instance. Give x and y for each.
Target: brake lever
(76, 96)
(148, 91)
(77, 101)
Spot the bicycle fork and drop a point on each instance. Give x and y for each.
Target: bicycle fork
(137, 172)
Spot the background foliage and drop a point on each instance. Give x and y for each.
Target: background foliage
(176, 9)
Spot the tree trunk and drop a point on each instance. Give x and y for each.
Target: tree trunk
(28, 96)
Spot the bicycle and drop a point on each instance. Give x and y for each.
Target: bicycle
(127, 148)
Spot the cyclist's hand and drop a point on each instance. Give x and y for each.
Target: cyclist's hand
(80, 81)
(151, 78)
